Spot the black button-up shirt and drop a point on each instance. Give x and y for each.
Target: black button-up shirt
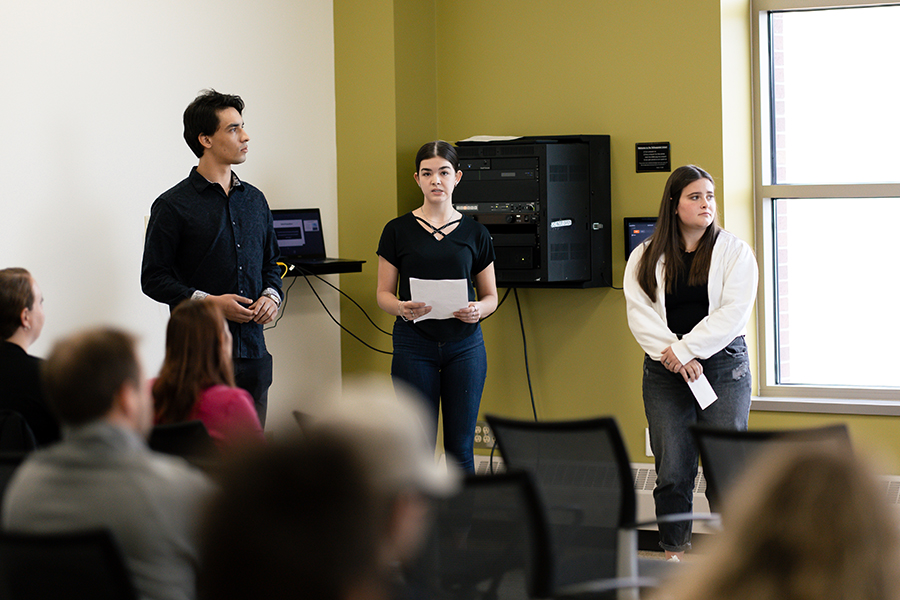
(201, 239)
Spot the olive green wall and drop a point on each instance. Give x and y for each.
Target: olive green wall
(366, 132)
(644, 71)
(642, 74)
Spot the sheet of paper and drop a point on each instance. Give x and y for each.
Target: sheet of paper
(444, 296)
(703, 392)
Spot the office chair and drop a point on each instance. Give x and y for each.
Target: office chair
(15, 432)
(487, 542)
(189, 440)
(726, 453)
(85, 564)
(586, 484)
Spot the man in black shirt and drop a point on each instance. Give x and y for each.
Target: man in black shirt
(211, 236)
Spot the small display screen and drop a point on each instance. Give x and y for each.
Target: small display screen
(637, 229)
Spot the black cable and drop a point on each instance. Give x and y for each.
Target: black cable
(344, 294)
(322, 302)
(610, 284)
(282, 306)
(306, 273)
(499, 304)
(491, 458)
(525, 350)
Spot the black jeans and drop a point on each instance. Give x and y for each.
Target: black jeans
(255, 376)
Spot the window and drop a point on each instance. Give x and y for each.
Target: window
(827, 126)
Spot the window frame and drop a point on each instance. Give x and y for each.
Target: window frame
(772, 395)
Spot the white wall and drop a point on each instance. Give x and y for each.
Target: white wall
(91, 98)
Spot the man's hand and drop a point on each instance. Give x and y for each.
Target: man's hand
(232, 307)
(264, 310)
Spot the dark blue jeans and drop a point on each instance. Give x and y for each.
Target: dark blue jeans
(255, 376)
(671, 409)
(449, 375)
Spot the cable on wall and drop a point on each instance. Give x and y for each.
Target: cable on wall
(525, 351)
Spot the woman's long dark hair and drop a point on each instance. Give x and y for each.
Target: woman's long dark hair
(667, 239)
(195, 360)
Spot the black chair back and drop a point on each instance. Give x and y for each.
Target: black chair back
(189, 440)
(15, 433)
(726, 453)
(585, 482)
(489, 541)
(67, 565)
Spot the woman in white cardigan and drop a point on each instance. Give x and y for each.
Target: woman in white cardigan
(689, 291)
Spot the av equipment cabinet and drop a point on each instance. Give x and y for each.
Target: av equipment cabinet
(546, 203)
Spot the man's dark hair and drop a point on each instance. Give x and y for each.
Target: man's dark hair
(201, 117)
(85, 371)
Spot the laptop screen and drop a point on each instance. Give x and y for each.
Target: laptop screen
(299, 232)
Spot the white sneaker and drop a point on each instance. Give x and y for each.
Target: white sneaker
(673, 559)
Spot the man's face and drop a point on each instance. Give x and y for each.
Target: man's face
(228, 145)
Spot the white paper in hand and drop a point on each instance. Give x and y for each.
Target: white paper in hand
(703, 392)
(444, 296)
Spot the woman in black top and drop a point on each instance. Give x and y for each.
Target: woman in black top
(443, 359)
(21, 322)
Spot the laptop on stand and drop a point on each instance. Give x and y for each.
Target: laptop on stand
(301, 242)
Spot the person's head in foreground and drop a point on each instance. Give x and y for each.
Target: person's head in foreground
(330, 514)
(96, 375)
(802, 525)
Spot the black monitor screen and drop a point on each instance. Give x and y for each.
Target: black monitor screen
(637, 229)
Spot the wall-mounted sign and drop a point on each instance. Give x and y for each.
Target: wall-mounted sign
(653, 157)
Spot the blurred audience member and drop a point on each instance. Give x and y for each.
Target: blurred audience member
(103, 475)
(21, 322)
(331, 516)
(197, 380)
(804, 525)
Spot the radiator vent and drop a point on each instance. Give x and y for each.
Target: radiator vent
(483, 465)
(891, 489)
(645, 478)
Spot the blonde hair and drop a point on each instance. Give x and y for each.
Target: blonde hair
(804, 525)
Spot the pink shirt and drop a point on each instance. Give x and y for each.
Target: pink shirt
(229, 416)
